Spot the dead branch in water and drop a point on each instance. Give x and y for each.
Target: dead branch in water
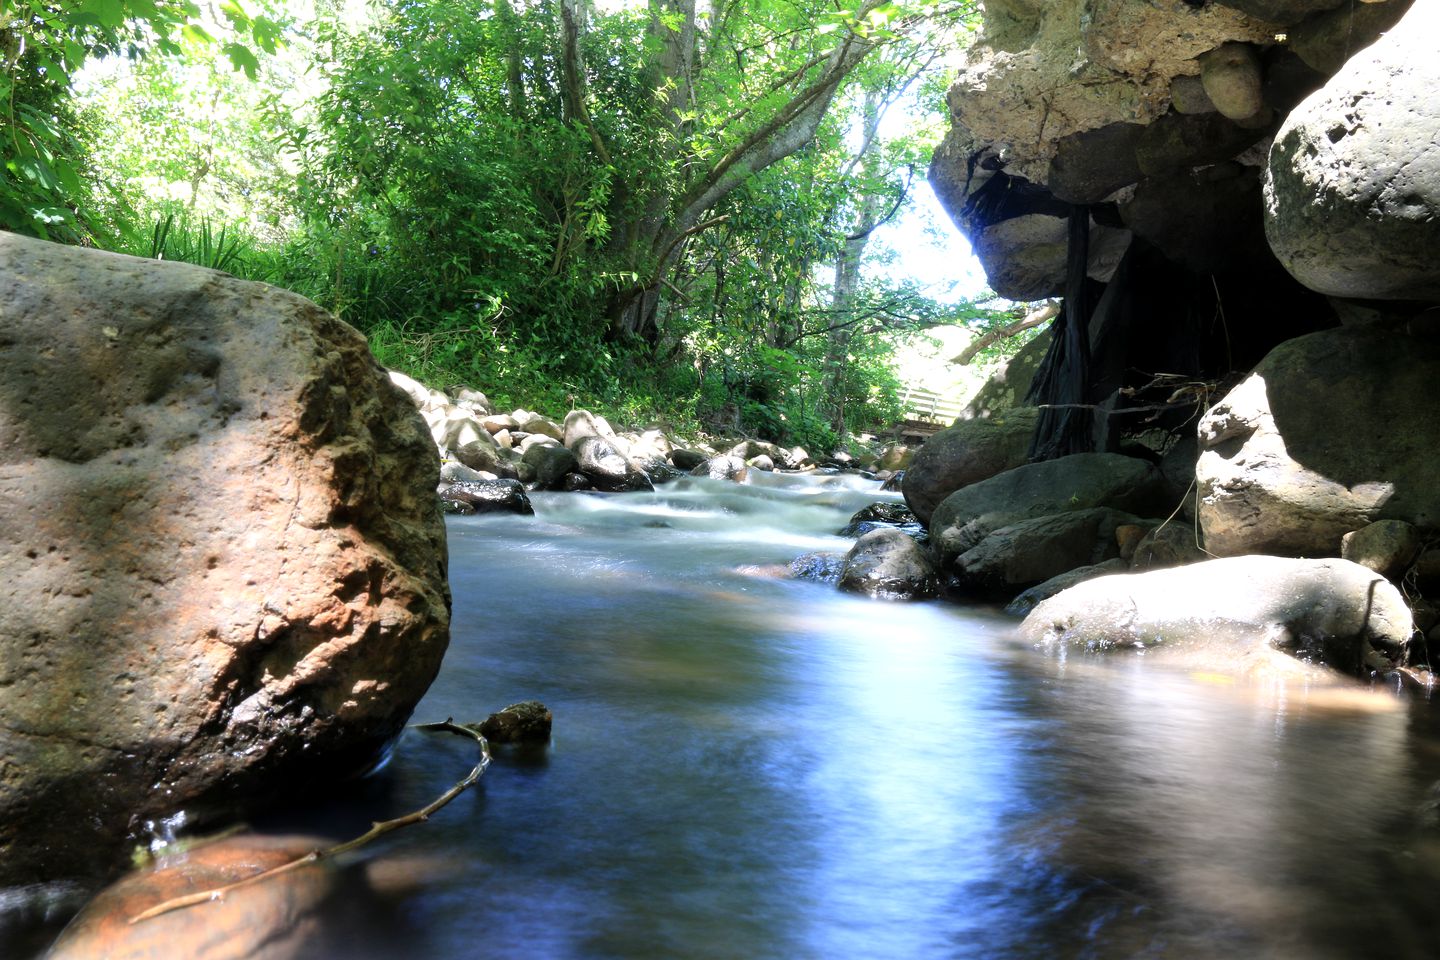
(376, 830)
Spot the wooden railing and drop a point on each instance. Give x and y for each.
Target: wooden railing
(927, 406)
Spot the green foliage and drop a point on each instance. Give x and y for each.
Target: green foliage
(47, 185)
(639, 210)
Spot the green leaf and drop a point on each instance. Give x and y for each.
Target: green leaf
(243, 59)
(196, 34)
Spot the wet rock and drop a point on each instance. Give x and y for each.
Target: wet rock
(489, 496)
(1322, 439)
(727, 467)
(966, 453)
(762, 462)
(884, 512)
(574, 482)
(888, 565)
(819, 567)
(527, 722)
(1387, 546)
(551, 463)
(608, 468)
(1238, 612)
(224, 558)
(1352, 195)
(1029, 599)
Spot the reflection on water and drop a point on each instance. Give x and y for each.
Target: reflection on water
(753, 768)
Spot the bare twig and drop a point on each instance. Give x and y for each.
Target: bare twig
(376, 831)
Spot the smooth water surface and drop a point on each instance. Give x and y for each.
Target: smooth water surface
(745, 766)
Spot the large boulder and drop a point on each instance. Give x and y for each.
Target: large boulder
(1236, 612)
(1077, 482)
(1352, 195)
(888, 565)
(966, 453)
(224, 563)
(1330, 433)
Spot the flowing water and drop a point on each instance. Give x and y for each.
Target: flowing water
(751, 767)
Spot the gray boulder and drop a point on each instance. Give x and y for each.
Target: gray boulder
(966, 453)
(224, 563)
(1028, 552)
(551, 462)
(1077, 482)
(888, 565)
(1352, 194)
(607, 467)
(1237, 612)
(1331, 432)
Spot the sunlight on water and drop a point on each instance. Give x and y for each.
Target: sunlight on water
(745, 766)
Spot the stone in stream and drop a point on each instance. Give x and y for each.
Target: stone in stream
(966, 453)
(726, 467)
(888, 565)
(606, 466)
(487, 496)
(224, 563)
(885, 515)
(526, 722)
(1242, 613)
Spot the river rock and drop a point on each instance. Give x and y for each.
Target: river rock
(484, 456)
(966, 453)
(489, 496)
(583, 423)
(1019, 555)
(543, 426)
(818, 567)
(224, 559)
(526, 722)
(1327, 435)
(1352, 193)
(1236, 611)
(687, 460)
(883, 513)
(1077, 482)
(726, 467)
(1231, 76)
(888, 565)
(551, 462)
(608, 468)
(1387, 546)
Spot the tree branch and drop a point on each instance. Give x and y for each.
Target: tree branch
(376, 830)
(1034, 318)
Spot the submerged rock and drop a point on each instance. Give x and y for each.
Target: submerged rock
(224, 561)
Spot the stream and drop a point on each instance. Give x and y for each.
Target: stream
(745, 766)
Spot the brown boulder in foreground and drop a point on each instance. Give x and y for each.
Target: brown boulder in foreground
(223, 563)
